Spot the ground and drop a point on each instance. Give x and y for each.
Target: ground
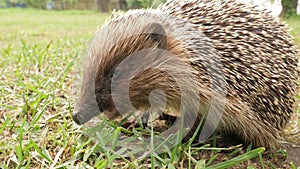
(41, 54)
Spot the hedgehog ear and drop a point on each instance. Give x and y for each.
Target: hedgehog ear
(157, 33)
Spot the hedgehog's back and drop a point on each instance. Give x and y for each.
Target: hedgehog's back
(258, 56)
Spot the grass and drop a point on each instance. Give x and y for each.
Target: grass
(295, 31)
(38, 67)
(44, 26)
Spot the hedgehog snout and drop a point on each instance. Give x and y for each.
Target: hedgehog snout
(81, 116)
(77, 117)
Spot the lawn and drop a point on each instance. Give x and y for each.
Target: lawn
(39, 64)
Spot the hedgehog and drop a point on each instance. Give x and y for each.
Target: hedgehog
(232, 60)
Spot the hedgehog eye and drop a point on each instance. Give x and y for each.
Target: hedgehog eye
(111, 75)
(114, 74)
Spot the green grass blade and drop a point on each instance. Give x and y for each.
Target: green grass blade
(244, 157)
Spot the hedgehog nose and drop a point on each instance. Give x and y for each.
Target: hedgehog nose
(76, 117)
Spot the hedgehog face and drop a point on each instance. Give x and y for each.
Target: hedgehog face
(96, 94)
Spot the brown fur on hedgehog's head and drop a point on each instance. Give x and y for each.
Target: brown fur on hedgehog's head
(103, 61)
(146, 34)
